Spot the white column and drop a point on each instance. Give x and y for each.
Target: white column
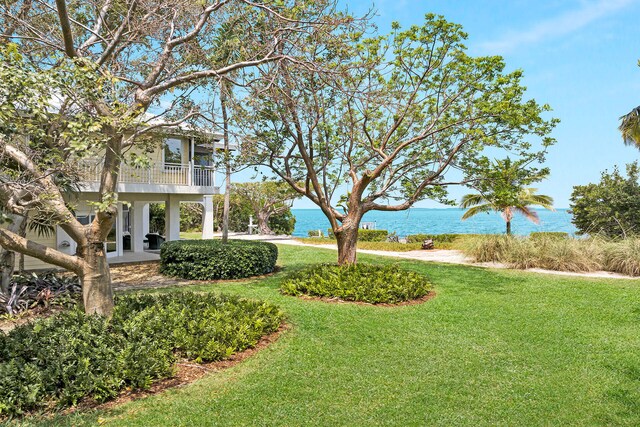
(119, 235)
(145, 219)
(172, 218)
(139, 222)
(207, 221)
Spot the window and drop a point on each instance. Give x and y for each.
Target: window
(173, 151)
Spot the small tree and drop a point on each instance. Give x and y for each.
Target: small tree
(267, 198)
(611, 207)
(390, 125)
(503, 189)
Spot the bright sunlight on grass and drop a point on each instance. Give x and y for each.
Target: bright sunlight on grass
(493, 348)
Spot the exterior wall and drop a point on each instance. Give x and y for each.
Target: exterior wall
(34, 263)
(62, 242)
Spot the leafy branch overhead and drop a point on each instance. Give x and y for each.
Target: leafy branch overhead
(399, 119)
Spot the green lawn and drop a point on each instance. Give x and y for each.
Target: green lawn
(493, 348)
(191, 235)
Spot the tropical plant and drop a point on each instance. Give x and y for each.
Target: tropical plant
(521, 203)
(502, 189)
(630, 127)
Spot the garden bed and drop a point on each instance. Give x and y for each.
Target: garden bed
(361, 283)
(70, 358)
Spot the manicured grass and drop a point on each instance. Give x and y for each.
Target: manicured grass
(493, 348)
(191, 235)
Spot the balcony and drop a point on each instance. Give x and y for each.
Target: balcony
(165, 177)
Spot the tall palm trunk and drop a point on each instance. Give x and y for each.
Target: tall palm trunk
(227, 162)
(508, 228)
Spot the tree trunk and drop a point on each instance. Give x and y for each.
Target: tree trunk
(263, 223)
(227, 163)
(508, 228)
(347, 239)
(7, 257)
(95, 278)
(7, 266)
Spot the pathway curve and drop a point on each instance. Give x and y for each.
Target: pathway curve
(450, 257)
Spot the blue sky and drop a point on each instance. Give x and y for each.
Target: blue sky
(579, 56)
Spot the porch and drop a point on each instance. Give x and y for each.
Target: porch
(135, 258)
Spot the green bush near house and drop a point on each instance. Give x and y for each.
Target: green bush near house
(367, 235)
(59, 361)
(358, 282)
(212, 260)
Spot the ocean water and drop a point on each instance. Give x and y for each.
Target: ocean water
(440, 221)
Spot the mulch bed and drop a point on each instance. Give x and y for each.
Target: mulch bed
(335, 300)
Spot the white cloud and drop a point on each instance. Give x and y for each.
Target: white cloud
(557, 26)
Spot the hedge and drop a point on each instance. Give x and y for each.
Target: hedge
(370, 283)
(212, 260)
(437, 238)
(60, 361)
(367, 235)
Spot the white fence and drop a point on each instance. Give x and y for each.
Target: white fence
(162, 174)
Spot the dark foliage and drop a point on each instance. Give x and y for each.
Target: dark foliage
(611, 207)
(32, 290)
(212, 260)
(59, 361)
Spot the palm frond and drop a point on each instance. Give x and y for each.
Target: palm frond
(469, 200)
(528, 213)
(529, 197)
(477, 209)
(630, 127)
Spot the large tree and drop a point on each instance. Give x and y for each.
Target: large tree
(267, 199)
(398, 120)
(610, 207)
(148, 53)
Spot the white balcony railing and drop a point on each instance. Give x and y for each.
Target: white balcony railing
(162, 174)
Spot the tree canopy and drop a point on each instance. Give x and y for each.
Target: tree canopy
(399, 119)
(610, 207)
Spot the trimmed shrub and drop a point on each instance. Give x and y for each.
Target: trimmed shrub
(212, 260)
(315, 233)
(59, 361)
(358, 282)
(367, 235)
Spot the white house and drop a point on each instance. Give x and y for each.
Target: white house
(181, 170)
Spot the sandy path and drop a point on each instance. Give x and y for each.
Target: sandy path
(454, 257)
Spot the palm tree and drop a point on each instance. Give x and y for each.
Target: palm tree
(630, 127)
(521, 203)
